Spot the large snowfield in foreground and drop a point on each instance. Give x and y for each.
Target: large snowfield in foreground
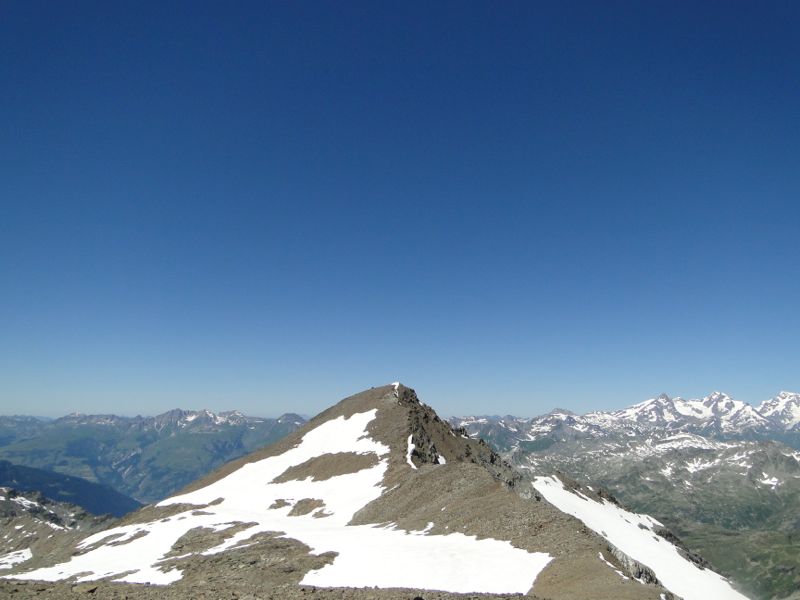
(633, 534)
(379, 556)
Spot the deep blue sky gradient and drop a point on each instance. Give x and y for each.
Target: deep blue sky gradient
(506, 206)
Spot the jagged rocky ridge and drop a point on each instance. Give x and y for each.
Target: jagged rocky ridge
(379, 491)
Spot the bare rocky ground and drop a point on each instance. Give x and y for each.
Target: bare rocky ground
(119, 591)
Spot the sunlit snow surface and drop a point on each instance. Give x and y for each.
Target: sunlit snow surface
(409, 452)
(622, 529)
(12, 558)
(366, 555)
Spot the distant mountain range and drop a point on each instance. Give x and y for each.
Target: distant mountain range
(717, 415)
(146, 458)
(724, 475)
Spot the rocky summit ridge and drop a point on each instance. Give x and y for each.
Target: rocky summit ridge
(374, 496)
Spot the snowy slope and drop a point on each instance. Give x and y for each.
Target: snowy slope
(633, 534)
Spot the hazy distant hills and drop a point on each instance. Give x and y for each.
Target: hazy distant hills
(146, 458)
(92, 497)
(712, 469)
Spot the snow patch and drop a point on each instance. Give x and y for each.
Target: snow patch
(29, 504)
(409, 450)
(698, 464)
(772, 482)
(14, 558)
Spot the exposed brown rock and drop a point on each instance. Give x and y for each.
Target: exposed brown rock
(326, 466)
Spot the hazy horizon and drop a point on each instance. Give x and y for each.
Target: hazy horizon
(308, 415)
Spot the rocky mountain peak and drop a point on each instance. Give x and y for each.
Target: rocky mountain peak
(291, 418)
(378, 491)
(720, 402)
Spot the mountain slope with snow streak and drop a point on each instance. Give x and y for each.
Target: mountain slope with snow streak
(635, 536)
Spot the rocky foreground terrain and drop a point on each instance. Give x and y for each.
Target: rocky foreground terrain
(379, 496)
(120, 591)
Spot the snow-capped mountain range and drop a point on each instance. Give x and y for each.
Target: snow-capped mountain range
(716, 415)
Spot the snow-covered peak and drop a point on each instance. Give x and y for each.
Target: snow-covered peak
(653, 411)
(783, 410)
(733, 414)
(561, 411)
(720, 402)
(291, 418)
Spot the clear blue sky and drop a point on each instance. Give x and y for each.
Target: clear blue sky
(509, 207)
